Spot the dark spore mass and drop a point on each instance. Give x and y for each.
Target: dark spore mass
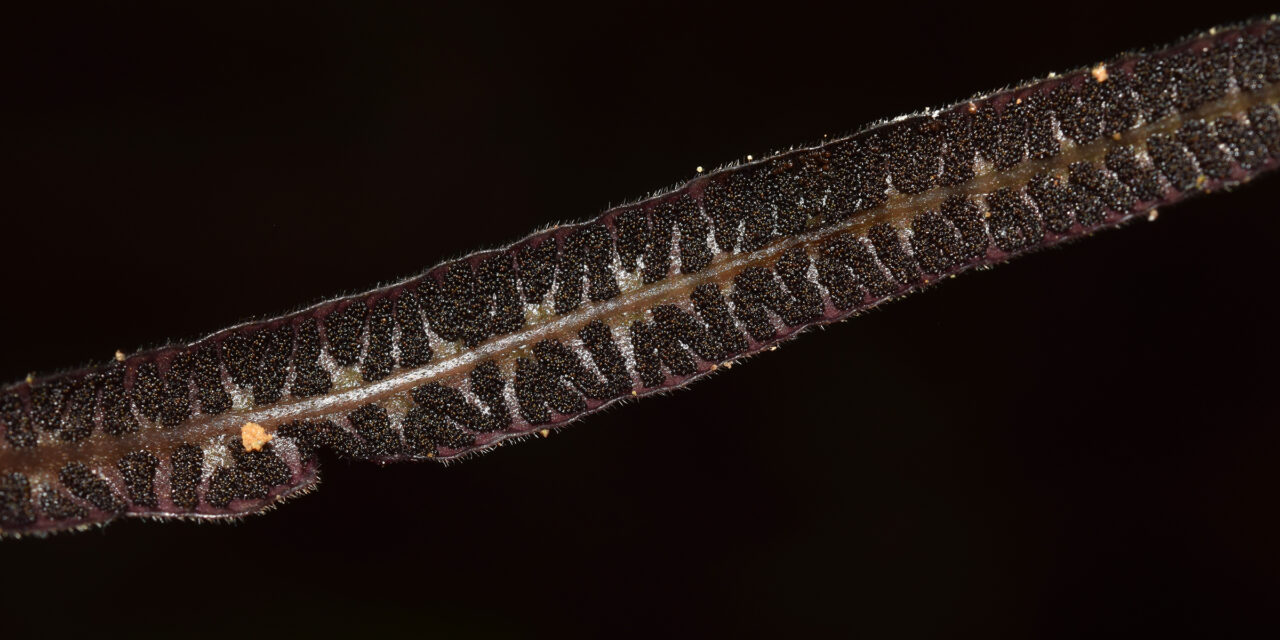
(138, 470)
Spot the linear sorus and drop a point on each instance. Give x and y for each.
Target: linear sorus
(646, 298)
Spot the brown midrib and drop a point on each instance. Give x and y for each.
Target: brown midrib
(898, 210)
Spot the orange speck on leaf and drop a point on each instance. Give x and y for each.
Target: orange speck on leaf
(253, 436)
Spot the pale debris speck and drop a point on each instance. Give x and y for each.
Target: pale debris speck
(749, 158)
(1152, 215)
(253, 436)
(1099, 73)
(699, 169)
(119, 356)
(544, 433)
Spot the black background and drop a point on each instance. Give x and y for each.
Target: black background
(1082, 441)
